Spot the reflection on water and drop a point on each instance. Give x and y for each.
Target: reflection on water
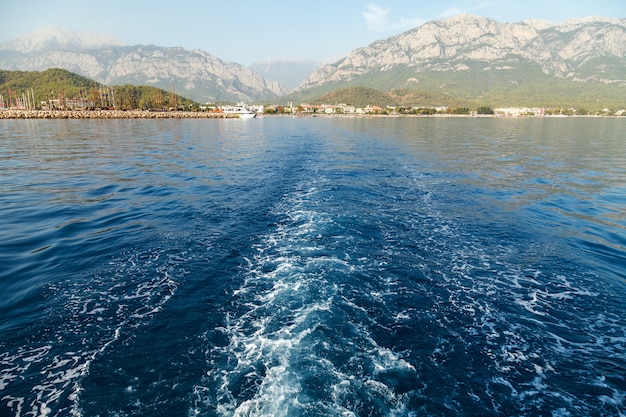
(567, 175)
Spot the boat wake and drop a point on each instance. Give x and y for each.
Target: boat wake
(298, 339)
(349, 313)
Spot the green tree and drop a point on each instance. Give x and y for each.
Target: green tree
(485, 110)
(461, 110)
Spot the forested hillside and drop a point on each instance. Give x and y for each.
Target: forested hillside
(35, 89)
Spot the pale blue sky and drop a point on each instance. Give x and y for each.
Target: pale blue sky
(245, 31)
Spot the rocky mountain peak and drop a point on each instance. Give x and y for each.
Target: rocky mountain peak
(537, 24)
(50, 38)
(561, 50)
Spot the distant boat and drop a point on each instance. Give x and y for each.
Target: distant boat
(242, 111)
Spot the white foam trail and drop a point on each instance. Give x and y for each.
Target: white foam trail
(290, 300)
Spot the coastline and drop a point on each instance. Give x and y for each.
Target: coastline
(144, 114)
(110, 114)
(450, 116)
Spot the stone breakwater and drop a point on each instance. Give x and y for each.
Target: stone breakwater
(110, 114)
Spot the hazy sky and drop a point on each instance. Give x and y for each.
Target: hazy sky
(245, 31)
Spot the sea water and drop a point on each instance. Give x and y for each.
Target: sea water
(313, 267)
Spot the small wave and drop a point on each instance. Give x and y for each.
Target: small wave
(84, 317)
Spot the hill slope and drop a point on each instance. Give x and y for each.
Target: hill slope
(58, 83)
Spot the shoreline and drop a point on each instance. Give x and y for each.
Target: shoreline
(145, 114)
(110, 114)
(451, 116)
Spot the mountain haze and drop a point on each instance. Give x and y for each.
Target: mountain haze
(54, 38)
(289, 73)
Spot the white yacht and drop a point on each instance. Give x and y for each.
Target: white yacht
(242, 111)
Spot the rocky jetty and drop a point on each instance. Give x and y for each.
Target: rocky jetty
(110, 114)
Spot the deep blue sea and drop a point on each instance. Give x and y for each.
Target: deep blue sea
(313, 267)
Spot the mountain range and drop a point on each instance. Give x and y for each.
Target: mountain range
(470, 57)
(465, 58)
(195, 74)
(570, 50)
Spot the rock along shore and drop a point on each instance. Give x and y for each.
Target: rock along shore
(110, 114)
